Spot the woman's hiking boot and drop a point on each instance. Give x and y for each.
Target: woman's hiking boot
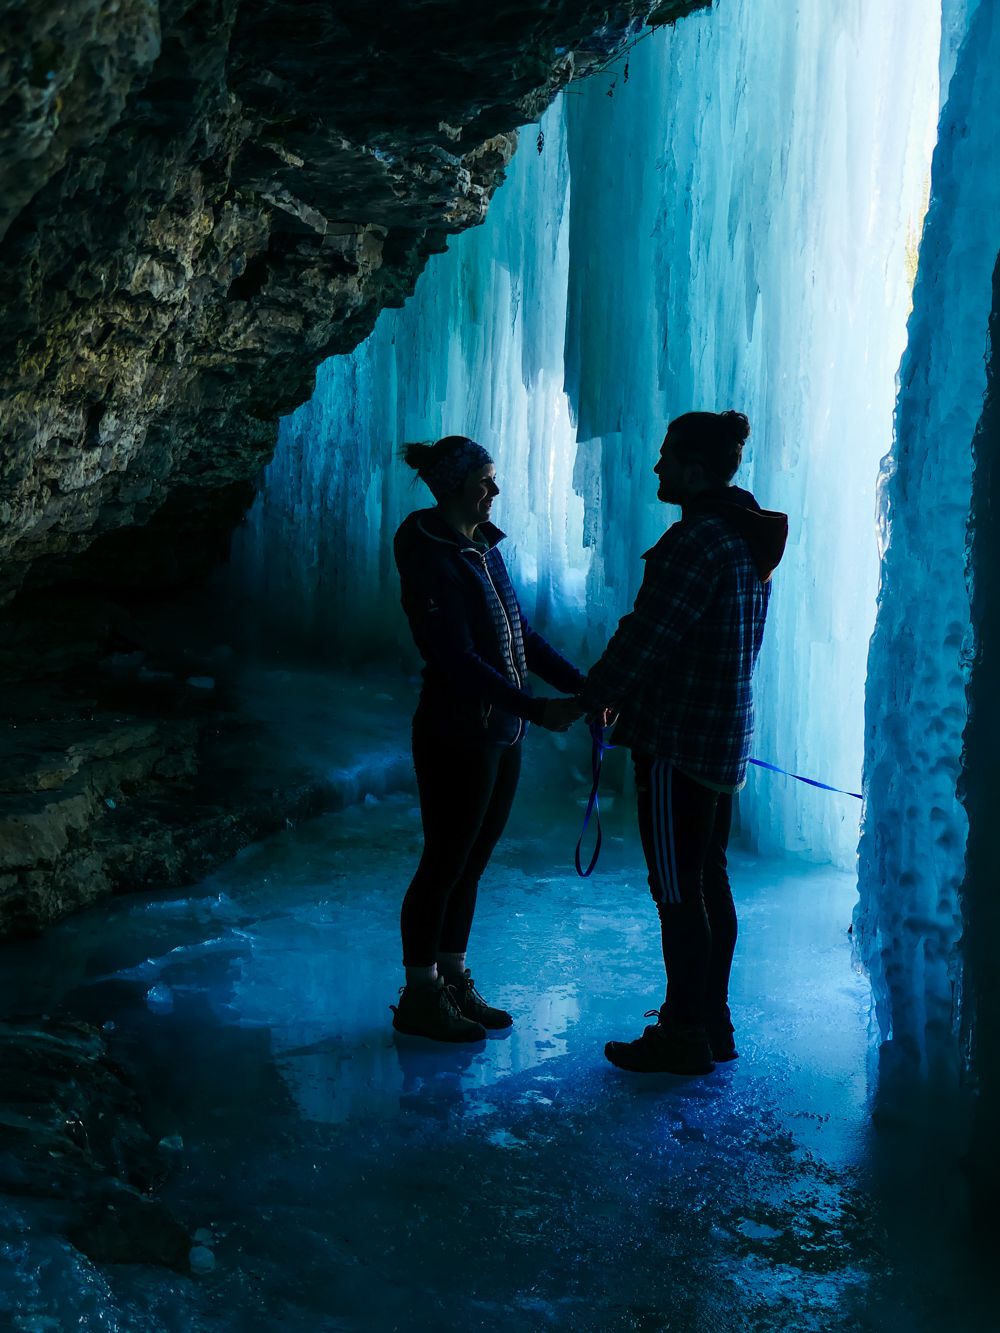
(472, 1005)
(663, 1048)
(431, 1011)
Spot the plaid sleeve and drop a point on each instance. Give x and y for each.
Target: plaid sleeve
(676, 588)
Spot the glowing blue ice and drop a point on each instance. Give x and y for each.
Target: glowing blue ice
(912, 852)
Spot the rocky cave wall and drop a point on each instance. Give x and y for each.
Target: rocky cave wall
(200, 203)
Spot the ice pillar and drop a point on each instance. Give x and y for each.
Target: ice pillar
(914, 840)
(982, 790)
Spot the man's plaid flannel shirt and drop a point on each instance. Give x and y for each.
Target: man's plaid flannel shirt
(678, 667)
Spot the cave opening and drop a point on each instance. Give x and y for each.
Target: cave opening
(741, 211)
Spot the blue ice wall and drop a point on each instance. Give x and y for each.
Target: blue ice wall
(912, 852)
(734, 223)
(775, 166)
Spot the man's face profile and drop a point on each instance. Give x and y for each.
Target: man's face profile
(670, 471)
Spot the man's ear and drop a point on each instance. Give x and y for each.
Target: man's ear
(694, 476)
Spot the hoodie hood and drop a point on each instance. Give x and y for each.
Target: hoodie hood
(764, 530)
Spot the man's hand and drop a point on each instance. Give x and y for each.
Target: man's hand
(560, 714)
(604, 717)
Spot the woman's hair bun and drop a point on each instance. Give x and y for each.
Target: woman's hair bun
(420, 455)
(417, 455)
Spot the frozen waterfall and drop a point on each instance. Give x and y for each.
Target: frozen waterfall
(729, 218)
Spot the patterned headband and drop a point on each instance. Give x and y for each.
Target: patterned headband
(447, 475)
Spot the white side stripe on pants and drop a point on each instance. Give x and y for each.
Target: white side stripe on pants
(675, 879)
(663, 829)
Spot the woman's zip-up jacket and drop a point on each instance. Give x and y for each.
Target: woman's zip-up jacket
(469, 628)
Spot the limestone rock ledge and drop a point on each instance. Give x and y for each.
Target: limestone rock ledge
(153, 768)
(199, 203)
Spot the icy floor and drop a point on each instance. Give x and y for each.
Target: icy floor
(341, 1180)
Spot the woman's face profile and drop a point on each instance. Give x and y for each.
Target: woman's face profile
(479, 492)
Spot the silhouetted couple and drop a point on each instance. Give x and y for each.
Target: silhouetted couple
(677, 672)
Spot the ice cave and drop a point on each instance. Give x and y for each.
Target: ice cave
(248, 252)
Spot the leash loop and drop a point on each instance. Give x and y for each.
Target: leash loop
(597, 748)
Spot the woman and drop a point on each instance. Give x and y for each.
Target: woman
(474, 706)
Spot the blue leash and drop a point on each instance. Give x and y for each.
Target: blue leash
(597, 749)
(811, 782)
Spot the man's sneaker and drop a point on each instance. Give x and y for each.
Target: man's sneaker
(720, 1035)
(723, 1044)
(472, 1005)
(431, 1011)
(663, 1048)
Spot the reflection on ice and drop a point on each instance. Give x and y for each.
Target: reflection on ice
(160, 999)
(334, 1170)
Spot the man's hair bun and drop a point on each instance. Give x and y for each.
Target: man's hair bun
(714, 439)
(736, 425)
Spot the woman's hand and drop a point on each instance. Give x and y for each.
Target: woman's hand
(559, 714)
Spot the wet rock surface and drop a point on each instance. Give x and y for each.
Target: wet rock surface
(80, 787)
(71, 1135)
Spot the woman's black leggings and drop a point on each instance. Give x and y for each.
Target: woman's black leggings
(466, 792)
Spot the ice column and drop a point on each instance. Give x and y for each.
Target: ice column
(915, 828)
(982, 789)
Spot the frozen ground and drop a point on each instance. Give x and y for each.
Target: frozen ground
(341, 1180)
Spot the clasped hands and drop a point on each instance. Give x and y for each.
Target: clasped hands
(560, 714)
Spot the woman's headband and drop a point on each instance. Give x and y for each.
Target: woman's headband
(447, 474)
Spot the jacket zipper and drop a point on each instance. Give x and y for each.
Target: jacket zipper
(510, 639)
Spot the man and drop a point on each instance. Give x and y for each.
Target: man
(678, 669)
